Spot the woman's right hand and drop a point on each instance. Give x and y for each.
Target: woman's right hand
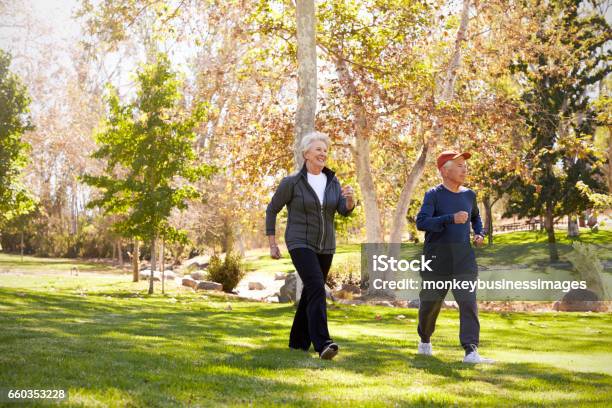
(275, 251)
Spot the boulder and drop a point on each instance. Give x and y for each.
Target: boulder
(188, 281)
(256, 286)
(198, 275)
(168, 274)
(280, 276)
(208, 285)
(580, 300)
(287, 291)
(146, 273)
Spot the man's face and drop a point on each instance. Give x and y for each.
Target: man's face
(455, 171)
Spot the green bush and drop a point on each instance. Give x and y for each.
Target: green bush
(228, 272)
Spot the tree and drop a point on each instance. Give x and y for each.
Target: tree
(558, 110)
(15, 200)
(148, 145)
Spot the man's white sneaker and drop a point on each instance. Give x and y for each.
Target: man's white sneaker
(425, 349)
(475, 358)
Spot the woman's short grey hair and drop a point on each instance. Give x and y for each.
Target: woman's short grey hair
(312, 137)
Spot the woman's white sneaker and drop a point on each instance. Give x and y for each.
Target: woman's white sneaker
(425, 349)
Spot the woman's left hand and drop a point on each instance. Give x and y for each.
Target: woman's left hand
(347, 192)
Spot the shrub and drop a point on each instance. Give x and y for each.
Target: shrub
(228, 272)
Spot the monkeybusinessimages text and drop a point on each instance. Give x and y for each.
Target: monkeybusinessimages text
(384, 263)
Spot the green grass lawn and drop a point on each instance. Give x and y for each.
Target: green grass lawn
(109, 344)
(12, 263)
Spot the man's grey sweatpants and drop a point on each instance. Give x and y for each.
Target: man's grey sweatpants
(431, 301)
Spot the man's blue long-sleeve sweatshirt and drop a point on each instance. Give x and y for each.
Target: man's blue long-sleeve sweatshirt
(446, 243)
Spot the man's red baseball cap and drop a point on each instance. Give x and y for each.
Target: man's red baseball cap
(450, 155)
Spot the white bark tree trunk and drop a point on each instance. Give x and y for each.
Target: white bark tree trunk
(307, 74)
(153, 263)
(361, 153)
(136, 261)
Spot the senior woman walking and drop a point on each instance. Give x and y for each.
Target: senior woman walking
(312, 195)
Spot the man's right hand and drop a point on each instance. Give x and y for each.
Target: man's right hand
(461, 217)
(275, 252)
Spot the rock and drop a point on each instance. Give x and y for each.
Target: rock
(349, 287)
(280, 276)
(208, 285)
(272, 299)
(256, 286)
(168, 274)
(414, 304)
(198, 275)
(196, 263)
(287, 291)
(188, 281)
(146, 273)
(580, 300)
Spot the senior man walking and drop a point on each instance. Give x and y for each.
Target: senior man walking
(446, 215)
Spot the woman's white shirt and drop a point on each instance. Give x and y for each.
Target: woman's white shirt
(318, 182)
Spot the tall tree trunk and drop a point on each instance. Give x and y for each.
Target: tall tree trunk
(549, 225)
(163, 267)
(119, 253)
(307, 74)
(572, 226)
(114, 256)
(153, 263)
(361, 153)
(74, 211)
(21, 244)
(136, 261)
(488, 206)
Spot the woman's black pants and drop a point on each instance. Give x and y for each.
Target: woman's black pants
(310, 321)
